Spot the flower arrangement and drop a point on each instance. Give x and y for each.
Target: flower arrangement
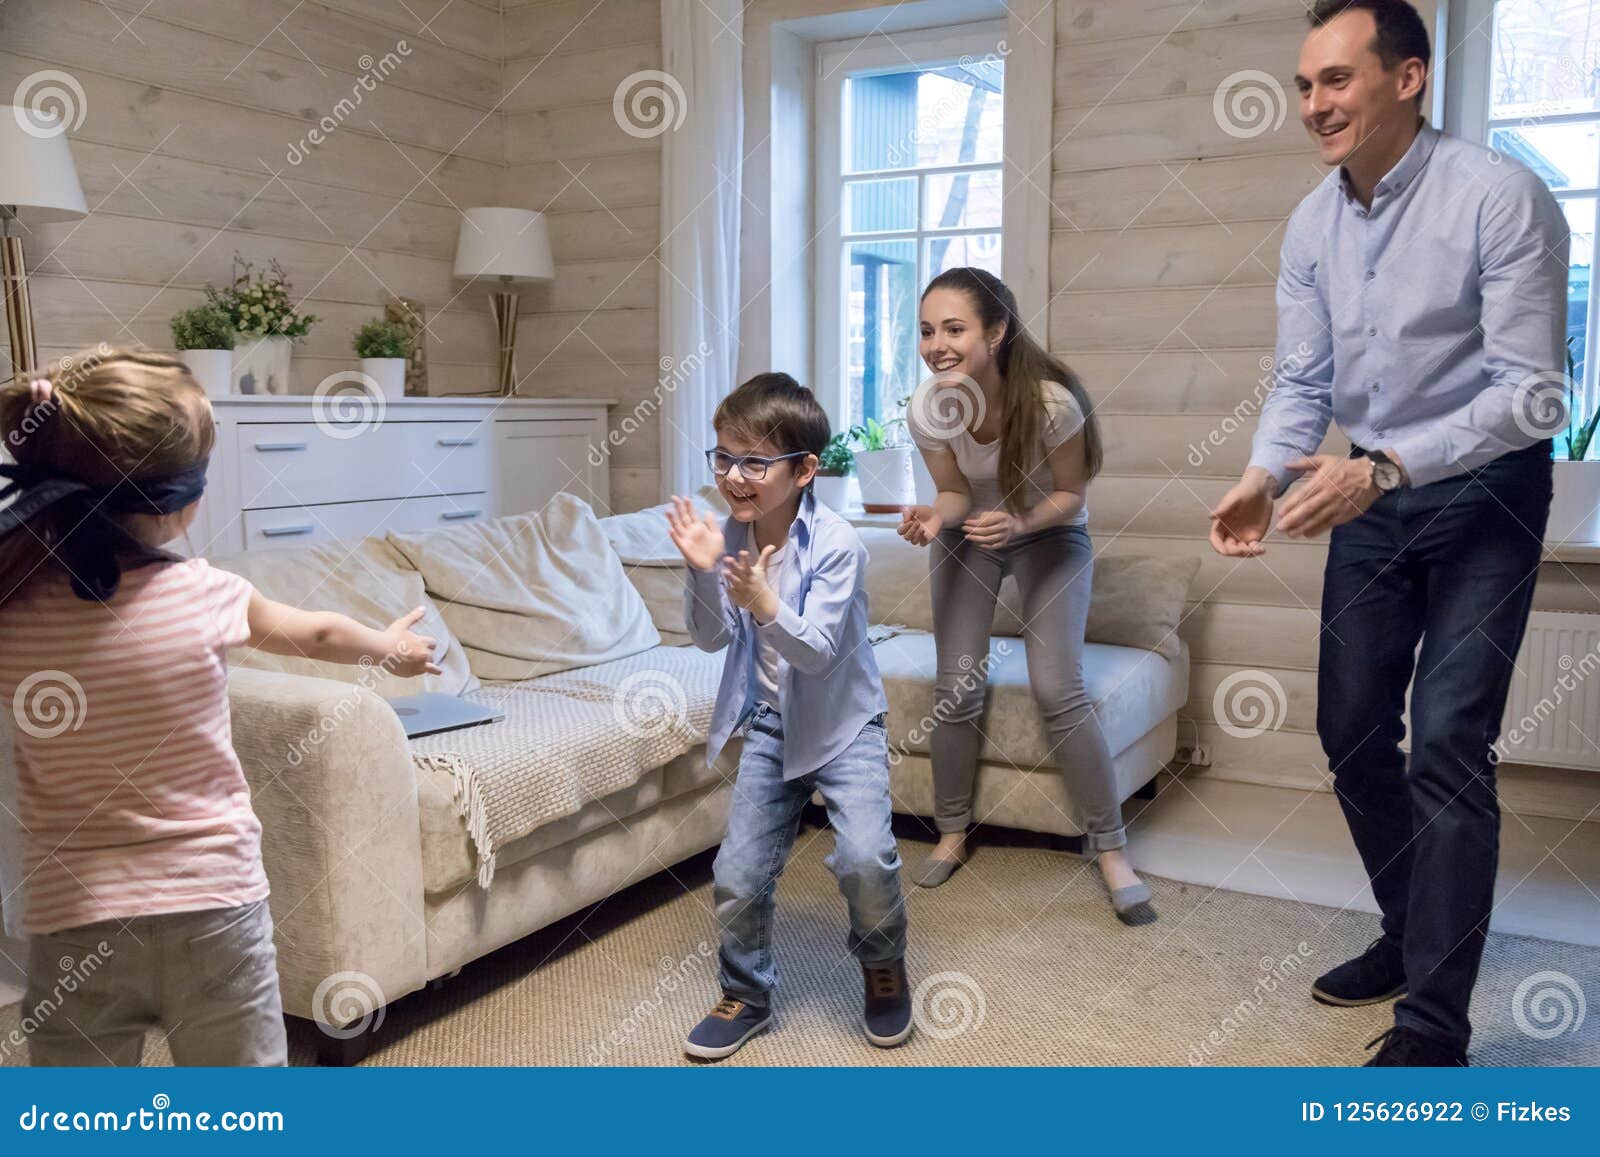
(257, 303)
(836, 460)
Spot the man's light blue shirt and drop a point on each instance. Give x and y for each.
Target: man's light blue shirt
(828, 682)
(1420, 324)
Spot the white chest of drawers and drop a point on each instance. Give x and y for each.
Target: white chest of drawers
(292, 471)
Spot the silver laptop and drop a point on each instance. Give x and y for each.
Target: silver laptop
(433, 711)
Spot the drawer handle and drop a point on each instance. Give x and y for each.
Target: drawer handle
(286, 531)
(458, 441)
(269, 447)
(458, 515)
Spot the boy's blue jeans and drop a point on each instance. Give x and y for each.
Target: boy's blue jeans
(762, 824)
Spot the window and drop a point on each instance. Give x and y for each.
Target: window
(1530, 89)
(909, 172)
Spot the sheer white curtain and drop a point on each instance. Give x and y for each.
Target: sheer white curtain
(701, 167)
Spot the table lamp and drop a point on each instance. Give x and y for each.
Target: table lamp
(512, 245)
(38, 184)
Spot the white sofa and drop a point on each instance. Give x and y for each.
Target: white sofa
(374, 872)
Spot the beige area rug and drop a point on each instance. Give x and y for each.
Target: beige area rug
(1024, 965)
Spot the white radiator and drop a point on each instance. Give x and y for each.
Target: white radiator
(1553, 708)
(1553, 711)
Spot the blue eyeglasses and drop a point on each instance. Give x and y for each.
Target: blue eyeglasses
(750, 466)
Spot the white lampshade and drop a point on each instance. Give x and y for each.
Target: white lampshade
(37, 176)
(511, 243)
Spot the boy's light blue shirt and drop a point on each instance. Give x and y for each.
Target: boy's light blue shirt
(828, 682)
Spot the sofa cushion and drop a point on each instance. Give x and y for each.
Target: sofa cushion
(1133, 690)
(372, 583)
(532, 594)
(1136, 601)
(652, 562)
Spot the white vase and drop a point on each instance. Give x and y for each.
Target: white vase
(1575, 504)
(213, 369)
(261, 364)
(926, 489)
(388, 376)
(837, 491)
(886, 482)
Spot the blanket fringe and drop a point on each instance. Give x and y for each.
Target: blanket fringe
(467, 795)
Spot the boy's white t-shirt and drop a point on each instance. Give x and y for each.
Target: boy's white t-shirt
(766, 653)
(979, 462)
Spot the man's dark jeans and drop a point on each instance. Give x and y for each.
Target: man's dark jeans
(1453, 564)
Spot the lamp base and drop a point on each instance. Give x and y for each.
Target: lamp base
(503, 303)
(19, 310)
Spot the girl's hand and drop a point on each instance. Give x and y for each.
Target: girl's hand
(991, 529)
(698, 538)
(406, 653)
(747, 584)
(920, 525)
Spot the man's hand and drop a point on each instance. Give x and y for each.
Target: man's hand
(920, 525)
(407, 653)
(747, 584)
(991, 529)
(1241, 520)
(698, 539)
(1332, 491)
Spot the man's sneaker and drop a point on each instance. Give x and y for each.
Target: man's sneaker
(888, 1004)
(1378, 974)
(725, 1029)
(1404, 1046)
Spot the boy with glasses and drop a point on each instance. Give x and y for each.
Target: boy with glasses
(781, 585)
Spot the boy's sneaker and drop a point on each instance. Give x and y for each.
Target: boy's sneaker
(888, 1004)
(1378, 974)
(725, 1029)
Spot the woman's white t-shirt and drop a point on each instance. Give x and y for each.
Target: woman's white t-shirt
(936, 424)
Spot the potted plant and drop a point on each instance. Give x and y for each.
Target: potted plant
(203, 337)
(883, 467)
(259, 307)
(1575, 503)
(383, 347)
(835, 465)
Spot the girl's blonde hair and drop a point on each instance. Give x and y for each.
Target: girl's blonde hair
(116, 414)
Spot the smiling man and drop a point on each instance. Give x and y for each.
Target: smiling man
(1422, 305)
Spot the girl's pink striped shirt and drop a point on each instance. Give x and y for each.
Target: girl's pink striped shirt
(131, 799)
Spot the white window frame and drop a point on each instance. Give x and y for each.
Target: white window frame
(836, 62)
(1468, 34)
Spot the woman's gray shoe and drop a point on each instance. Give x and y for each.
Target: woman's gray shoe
(1132, 904)
(934, 871)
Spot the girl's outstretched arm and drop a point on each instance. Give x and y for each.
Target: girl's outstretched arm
(328, 635)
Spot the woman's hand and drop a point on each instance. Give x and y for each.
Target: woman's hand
(698, 538)
(991, 529)
(748, 586)
(406, 653)
(920, 525)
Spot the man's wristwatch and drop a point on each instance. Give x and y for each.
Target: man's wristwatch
(1386, 474)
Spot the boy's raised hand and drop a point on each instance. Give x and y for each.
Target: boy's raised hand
(408, 653)
(748, 586)
(698, 538)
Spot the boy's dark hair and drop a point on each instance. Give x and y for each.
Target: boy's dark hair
(779, 409)
(1401, 32)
